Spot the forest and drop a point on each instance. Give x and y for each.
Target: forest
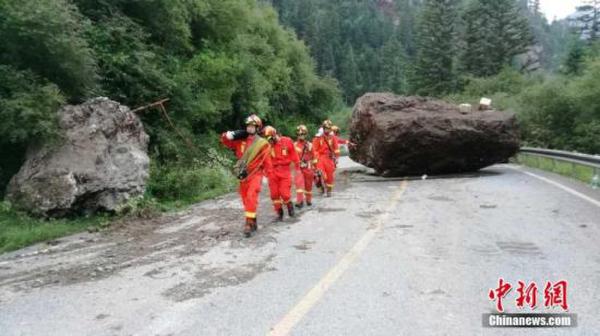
(290, 62)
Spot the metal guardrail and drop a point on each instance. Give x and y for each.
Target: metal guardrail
(591, 161)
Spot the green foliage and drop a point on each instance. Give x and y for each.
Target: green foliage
(365, 45)
(495, 32)
(18, 230)
(188, 183)
(217, 61)
(28, 112)
(130, 68)
(27, 107)
(547, 111)
(436, 48)
(561, 112)
(48, 38)
(574, 60)
(581, 172)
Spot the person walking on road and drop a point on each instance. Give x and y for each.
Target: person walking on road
(254, 161)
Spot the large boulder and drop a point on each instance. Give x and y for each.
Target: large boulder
(100, 162)
(399, 136)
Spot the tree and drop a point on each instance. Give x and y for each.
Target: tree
(595, 18)
(435, 68)
(48, 38)
(496, 31)
(393, 67)
(349, 74)
(534, 7)
(573, 63)
(328, 26)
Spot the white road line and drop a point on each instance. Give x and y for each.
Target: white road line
(558, 185)
(295, 315)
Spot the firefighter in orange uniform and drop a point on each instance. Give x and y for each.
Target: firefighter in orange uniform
(341, 141)
(304, 179)
(254, 161)
(283, 155)
(326, 152)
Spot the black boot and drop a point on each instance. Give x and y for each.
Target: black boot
(300, 205)
(254, 225)
(290, 209)
(280, 214)
(308, 203)
(248, 228)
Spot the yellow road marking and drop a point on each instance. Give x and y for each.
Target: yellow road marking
(295, 315)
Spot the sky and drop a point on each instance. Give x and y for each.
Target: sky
(559, 8)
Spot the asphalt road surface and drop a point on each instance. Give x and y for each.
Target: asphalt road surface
(382, 257)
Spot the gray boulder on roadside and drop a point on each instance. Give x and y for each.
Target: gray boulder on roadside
(99, 164)
(400, 136)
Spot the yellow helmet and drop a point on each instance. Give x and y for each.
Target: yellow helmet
(269, 132)
(327, 124)
(301, 130)
(254, 120)
(335, 129)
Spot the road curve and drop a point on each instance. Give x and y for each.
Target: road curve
(383, 257)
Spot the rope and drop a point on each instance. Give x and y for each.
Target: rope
(188, 142)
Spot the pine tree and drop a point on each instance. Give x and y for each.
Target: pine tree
(393, 67)
(534, 7)
(595, 18)
(348, 74)
(496, 31)
(434, 71)
(574, 61)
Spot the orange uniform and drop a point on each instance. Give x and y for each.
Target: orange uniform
(341, 141)
(250, 186)
(304, 180)
(326, 152)
(280, 177)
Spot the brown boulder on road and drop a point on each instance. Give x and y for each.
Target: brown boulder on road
(400, 136)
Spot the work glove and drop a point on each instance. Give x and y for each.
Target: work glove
(229, 135)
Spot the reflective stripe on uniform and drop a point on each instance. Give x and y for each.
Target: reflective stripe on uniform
(250, 214)
(277, 201)
(300, 190)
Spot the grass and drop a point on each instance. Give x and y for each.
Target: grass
(580, 172)
(19, 230)
(169, 189)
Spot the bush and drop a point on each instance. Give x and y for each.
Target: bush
(48, 37)
(188, 184)
(28, 108)
(548, 115)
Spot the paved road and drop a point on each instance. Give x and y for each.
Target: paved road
(384, 257)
